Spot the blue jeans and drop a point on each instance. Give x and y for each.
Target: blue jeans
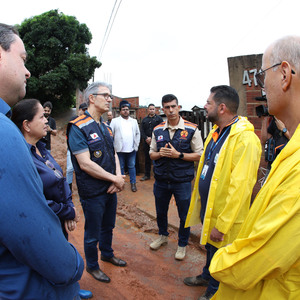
(163, 192)
(129, 160)
(100, 218)
(213, 284)
(70, 169)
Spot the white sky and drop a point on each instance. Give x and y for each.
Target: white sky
(157, 47)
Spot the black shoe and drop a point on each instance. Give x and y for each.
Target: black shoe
(195, 281)
(145, 178)
(99, 275)
(207, 296)
(133, 187)
(115, 261)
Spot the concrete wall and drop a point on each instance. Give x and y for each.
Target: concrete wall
(242, 70)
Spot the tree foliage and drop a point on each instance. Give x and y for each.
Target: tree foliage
(57, 57)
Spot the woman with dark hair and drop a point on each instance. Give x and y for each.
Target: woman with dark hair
(28, 115)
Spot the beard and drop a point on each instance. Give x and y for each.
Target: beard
(213, 117)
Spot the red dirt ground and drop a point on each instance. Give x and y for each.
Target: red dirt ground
(149, 274)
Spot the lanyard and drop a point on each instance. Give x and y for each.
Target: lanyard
(215, 144)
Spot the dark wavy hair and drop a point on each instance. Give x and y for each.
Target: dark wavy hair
(24, 110)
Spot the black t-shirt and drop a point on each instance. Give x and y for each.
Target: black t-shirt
(148, 123)
(47, 139)
(274, 144)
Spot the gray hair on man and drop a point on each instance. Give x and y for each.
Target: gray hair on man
(93, 89)
(286, 49)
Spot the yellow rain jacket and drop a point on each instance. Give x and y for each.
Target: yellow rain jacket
(231, 185)
(264, 261)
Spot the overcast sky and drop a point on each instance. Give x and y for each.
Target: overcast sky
(156, 47)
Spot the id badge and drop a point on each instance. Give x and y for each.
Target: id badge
(204, 172)
(216, 158)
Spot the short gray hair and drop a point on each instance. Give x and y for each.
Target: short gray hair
(93, 89)
(286, 49)
(7, 36)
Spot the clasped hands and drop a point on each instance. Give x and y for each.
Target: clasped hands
(168, 152)
(118, 185)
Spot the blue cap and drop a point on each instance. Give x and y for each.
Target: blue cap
(124, 103)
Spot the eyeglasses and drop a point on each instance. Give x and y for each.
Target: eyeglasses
(260, 76)
(105, 96)
(50, 165)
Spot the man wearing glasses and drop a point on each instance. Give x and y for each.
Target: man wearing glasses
(264, 260)
(126, 141)
(98, 177)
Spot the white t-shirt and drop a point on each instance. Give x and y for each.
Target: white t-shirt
(127, 136)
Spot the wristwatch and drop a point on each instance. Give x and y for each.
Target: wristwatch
(181, 155)
(284, 130)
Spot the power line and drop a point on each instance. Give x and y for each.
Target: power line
(109, 27)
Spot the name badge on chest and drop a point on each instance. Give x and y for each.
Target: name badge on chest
(204, 171)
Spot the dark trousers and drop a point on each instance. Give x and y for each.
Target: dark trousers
(213, 284)
(147, 159)
(100, 218)
(163, 192)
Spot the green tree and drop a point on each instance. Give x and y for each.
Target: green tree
(57, 57)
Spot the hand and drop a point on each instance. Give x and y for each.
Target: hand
(48, 128)
(77, 216)
(113, 189)
(119, 181)
(148, 140)
(70, 225)
(216, 235)
(174, 152)
(279, 124)
(167, 151)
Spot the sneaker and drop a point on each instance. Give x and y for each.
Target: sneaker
(195, 281)
(180, 253)
(162, 240)
(206, 296)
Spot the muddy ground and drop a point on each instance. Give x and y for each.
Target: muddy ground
(149, 274)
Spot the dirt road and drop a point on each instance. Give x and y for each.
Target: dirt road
(149, 274)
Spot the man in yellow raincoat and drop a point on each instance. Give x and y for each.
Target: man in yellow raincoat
(226, 175)
(264, 261)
